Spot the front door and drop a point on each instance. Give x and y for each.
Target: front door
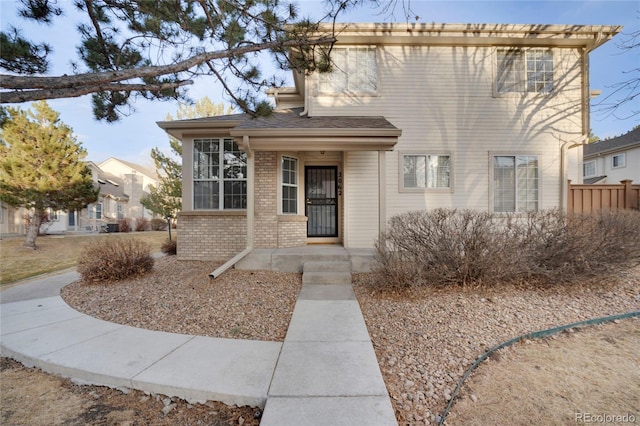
(321, 196)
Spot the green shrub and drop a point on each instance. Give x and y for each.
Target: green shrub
(458, 247)
(124, 225)
(158, 224)
(142, 224)
(169, 247)
(112, 259)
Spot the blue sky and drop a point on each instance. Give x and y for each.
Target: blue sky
(133, 137)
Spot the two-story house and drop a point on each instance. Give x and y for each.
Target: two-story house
(122, 185)
(613, 160)
(417, 116)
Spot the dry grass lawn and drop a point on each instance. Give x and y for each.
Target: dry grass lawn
(57, 252)
(571, 379)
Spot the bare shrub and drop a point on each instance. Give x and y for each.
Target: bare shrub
(449, 246)
(563, 246)
(142, 224)
(124, 225)
(446, 246)
(158, 224)
(169, 247)
(114, 259)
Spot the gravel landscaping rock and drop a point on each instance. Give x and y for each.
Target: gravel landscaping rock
(425, 338)
(180, 297)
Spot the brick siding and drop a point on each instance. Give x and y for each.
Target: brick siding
(211, 235)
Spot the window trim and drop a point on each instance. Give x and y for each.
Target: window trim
(282, 184)
(619, 166)
(492, 155)
(221, 179)
(525, 92)
(347, 92)
(595, 168)
(402, 188)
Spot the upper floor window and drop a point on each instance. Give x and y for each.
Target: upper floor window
(524, 71)
(354, 70)
(289, 185)
(425, 171)
(589, 168)
(515, 183)
(617, 161)
(219, 175)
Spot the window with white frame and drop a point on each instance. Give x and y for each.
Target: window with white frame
(119, 211)
(515, 183)
(421, 171)
(219, 175)
(524, 71)
(52, 215)
(289, 185)
(354, 69)
(617, 161)
(98, 210)
(589, 168)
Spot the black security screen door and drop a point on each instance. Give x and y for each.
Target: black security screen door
(321, 196)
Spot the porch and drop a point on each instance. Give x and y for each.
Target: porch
(293, 259)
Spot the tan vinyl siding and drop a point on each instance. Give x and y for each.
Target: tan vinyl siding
(361, 198)
(443, 100)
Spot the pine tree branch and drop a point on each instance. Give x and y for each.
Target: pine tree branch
(94, 82)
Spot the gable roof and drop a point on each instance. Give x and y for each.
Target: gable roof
(628, 140)
(133, 166)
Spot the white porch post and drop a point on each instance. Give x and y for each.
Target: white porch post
(382, 191)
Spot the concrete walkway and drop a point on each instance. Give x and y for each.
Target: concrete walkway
(325, 373)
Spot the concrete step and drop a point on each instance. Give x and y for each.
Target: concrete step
(321, 278)
(327, 266)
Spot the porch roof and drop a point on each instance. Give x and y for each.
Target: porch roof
(288, 130)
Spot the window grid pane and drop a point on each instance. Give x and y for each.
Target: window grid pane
(510, 71)
(354, 69)
(219, 174)
(515, 183)
(539, 71)
(439, 169)
(289, 185)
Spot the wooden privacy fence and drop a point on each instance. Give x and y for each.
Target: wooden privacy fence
(590, 198)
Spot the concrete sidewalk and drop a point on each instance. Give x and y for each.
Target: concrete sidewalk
(325, 373)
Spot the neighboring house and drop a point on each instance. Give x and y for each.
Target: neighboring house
(12, 220)
(422, 116)
(613, 160)
(122, 185)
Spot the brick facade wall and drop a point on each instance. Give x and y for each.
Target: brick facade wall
(220, 235)
(211, 235)
(292, 231)
(266, 199)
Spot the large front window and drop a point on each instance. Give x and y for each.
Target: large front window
(515, 183)
(524, 70)
(353, 70)
(425, 171)
(219, 175)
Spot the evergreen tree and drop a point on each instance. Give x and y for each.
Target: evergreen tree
(165, 199)
(41, 165)
(155, 49)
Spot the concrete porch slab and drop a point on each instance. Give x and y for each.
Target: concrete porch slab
(329, 411)
(236, 372)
